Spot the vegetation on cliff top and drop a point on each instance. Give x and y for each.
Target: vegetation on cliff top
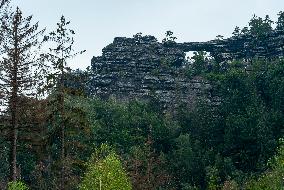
(69, 140)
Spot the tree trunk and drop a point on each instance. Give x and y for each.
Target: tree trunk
(14, 123)
(14, 139)
(62, 110)
(13, 107)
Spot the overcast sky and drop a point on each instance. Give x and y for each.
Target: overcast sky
(97, 22)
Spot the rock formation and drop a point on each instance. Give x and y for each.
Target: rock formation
(245, 46)
(141, 67)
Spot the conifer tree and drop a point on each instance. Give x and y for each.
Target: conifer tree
(63, 41)
(20, 66)
(280, 21)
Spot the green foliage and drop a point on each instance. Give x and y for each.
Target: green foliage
(230, 142)
(201, 63)
(259, 26)
(248, 123)
(212, 178)
(280, 21)
(4, 155)
(169, 38)
(237, 31)
(18, 185)
(188, 187)
(78, 146)
(272, 178)
(188, 161)
(105, 171)
(141, 134)
(126, 125)
(211, 145)
(60, 52)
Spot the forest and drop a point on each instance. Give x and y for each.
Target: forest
(54, 134)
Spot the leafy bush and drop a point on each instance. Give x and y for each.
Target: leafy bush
(18, 185)
(272, 179)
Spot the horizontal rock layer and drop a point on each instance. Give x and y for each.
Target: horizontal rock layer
(141, 67)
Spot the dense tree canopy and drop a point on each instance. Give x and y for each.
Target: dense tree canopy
(230, 137)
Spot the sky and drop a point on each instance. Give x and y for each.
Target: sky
(97, 22)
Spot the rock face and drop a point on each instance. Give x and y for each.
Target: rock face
(141, 67)
(247, 46)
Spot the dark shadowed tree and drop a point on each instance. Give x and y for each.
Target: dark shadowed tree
(3, 2)
(280, 21)
(260, 26)
(62, 51)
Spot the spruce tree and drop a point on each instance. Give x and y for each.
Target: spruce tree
(20, 66)
(63, 41)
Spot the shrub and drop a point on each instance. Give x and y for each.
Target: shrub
(17, 185)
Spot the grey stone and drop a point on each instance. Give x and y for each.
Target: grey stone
(141, 67)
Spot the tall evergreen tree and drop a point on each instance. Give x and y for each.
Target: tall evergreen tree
(19, 70)
(58, 56)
